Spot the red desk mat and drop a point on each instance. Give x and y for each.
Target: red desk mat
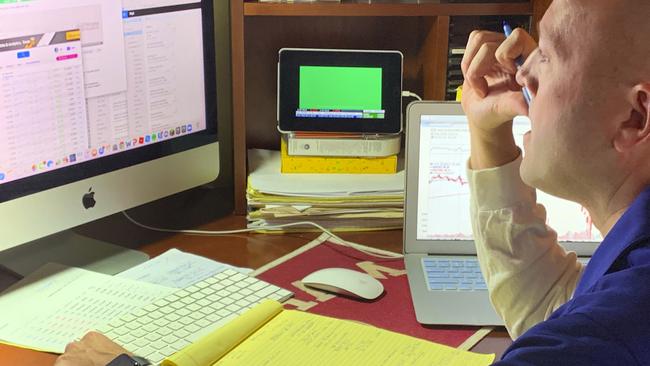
(393, 310)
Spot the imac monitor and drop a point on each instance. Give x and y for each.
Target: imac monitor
(104, 105)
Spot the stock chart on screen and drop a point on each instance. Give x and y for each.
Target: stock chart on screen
(443, 189)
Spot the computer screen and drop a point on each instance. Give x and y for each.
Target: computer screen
(105, 105)
(340, 92)
(443, 188)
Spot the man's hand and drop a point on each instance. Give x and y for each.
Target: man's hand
(94, 349)
(491, 95)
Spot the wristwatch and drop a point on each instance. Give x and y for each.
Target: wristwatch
(126, 360)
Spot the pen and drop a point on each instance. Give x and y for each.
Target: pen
(519, 61)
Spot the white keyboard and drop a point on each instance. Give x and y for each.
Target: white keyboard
(158, 330)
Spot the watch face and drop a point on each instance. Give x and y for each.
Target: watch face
(123, 360)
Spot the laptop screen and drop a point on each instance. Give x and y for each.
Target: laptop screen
(443, 189)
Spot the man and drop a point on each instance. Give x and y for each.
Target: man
(589, 143)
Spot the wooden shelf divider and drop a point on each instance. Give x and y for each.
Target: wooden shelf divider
(348, 9)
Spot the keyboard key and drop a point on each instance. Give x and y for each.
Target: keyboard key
(192, 328)
(172, 317)
(197, 316)
(161, 322)
(203, 302)
(180, 344)
(145, 351)
(149, 328)
(175, 326)
(132, 325)
(246, 291)
(207, 310)
(126, 339)
(181, 293)
(183, 312)
(285, 293)
(213, 317)
(202, 323)
(257, 286)
(141, 342)
(156, 357)
(139, 313)
(202, 285)
(138, 333)
(226, 301)
(156, 315)
(237, 277)
(193, 307)
(181, 333)
(172, 298)
(265, 291)
(161, 303)
(177, 305)
(192, 289)
(152, 337)
(208, 291)
(167, 310)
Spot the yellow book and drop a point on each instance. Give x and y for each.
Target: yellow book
(337, 164)
(270, 335)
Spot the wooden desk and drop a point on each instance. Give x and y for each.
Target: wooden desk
(244, 250)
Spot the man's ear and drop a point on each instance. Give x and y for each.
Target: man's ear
(636, 129)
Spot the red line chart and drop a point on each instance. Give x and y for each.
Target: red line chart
(459, 180)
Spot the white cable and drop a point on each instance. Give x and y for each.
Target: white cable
(263, 227)
(407, 93)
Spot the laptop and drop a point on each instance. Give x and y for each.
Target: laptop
(440, 257)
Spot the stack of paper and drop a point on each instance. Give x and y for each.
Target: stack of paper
(340, 202)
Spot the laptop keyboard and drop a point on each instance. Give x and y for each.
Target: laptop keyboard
(453, 274)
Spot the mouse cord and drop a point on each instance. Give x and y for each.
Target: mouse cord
(349, 244)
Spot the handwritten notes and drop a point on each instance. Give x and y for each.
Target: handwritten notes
(56, 305)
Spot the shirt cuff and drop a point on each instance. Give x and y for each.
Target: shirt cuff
(499, 187)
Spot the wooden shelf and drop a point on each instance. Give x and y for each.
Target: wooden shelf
(418, 28)
(353, 8)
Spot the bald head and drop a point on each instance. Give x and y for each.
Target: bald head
(611, 36)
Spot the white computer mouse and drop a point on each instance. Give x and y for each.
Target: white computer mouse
(345, 282)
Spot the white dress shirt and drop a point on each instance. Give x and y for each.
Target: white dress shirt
(527, 272)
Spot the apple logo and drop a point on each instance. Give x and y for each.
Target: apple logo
(88, 199)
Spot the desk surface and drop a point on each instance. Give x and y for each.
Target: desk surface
(244, 250)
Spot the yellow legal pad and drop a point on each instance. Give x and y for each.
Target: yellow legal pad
(270, 335)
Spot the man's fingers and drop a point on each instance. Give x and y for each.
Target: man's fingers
(520, 43)
(474, 42)
(482, 65)
(71, 347)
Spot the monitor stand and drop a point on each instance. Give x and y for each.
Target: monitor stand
(71, 249)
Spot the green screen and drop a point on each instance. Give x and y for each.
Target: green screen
(346, 88)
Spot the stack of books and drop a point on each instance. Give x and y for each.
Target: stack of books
(338, 202)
